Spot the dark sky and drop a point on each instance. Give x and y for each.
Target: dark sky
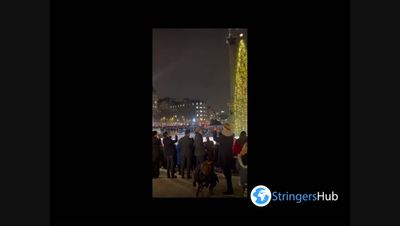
(192, 63)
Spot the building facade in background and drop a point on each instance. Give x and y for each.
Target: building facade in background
(179, 112)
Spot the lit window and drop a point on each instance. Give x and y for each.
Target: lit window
(192, 103)
(197, 107)
(201, 111)
(200, 103)
(197, 115)
(197, 103)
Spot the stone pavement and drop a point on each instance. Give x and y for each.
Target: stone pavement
(164, 187)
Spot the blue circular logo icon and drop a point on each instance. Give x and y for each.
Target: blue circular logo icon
(260, 196)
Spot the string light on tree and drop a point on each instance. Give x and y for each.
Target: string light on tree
(240, 90)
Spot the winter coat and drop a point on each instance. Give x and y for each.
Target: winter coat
(225, 152)
(186, 145)
(169, 146)
(156, 149)
(237, 148)
(199, 149)
(178, 154)
(209, 145)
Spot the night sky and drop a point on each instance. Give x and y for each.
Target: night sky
(192, 63)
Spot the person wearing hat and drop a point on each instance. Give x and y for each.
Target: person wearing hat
(156, 155)
(225, 140)
(199, 149)
(170, 151)
(186, 146)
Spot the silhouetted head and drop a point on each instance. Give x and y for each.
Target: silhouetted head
(187, 132)
(242, 138)
(165, 134)
(154, 133)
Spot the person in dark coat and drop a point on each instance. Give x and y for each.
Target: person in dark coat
(225, 154)
(178, 157)
(217, 164)
(199, 150)
(156, 155)
(186, 146)
(209, 145)
(193, 165)
(170, 151)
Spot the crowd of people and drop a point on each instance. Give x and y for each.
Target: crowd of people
(188, 153)
(180, 129)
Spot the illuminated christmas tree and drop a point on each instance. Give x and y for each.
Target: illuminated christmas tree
(240, 90)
